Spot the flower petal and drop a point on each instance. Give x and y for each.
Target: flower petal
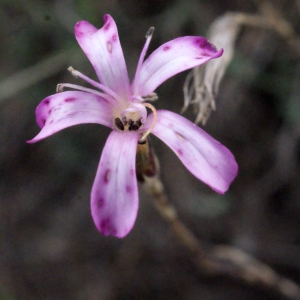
(203, 156)
(171, 58)
(70, 108)
(114, 197)
(103, 49)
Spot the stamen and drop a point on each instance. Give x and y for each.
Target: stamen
(151, 97)
(149, 32)
(60, 87)
(141, 60)
(143, 138)
(96, 84)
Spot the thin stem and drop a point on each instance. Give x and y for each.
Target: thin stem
(221, 259)
(155, 188)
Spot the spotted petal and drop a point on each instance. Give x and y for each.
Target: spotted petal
(103, 49)
(171, 58)
(70, 108)
(114, 198)
(202, 155)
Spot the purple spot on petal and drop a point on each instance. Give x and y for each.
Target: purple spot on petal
(43, 121)
(51, 122)
(205, 44)
(106, 176)
(114, 37)
(100, 202)
(46, 101)
(166, 48)
(128, 189)
(201, 42)
(180, 152)
(103, 225)
(106, 228)
(70, 99)
(132, 172)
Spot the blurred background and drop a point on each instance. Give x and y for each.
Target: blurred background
(49, 246)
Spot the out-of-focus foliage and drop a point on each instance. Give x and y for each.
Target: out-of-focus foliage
(49, 246)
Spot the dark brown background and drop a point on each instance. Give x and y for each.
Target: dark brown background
(49, 246)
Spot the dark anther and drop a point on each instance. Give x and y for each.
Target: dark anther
(119, 124)
(133, 127)
(139, 123)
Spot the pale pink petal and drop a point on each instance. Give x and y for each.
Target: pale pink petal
(202, 155)
(103, 49)
(114, 198)
(171, 58)
(70, 108)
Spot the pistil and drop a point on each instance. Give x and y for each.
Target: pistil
(143, 138)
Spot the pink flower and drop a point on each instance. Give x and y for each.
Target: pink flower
(122, 107)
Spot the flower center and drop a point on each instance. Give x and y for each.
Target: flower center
(131, 118)
(128, 123)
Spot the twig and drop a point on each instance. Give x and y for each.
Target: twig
(154, 186)
(221, 259)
